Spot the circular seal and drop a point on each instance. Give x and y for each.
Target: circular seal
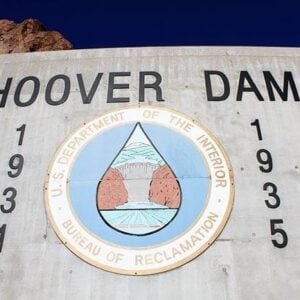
(140, 190)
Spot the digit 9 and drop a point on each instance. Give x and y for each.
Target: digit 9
(16, 163)
(264, 157)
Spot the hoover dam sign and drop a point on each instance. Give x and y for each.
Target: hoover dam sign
(139, 190)
(145, 160)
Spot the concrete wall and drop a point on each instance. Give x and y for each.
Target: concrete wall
(242, 263)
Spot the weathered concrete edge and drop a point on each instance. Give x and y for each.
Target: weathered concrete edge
(150, 51)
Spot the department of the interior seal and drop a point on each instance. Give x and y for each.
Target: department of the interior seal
(140, 190)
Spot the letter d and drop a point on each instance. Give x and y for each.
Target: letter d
(209, 92)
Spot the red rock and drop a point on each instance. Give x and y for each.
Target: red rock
(164, 188)
(112, 191)
(29, 36)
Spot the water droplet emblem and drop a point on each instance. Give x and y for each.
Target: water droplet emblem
(139, 193)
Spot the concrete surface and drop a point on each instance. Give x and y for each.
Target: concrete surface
(242, 263)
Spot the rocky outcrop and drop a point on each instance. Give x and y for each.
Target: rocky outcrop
(131, 184)
(164, 188)
(29, 36)
(111, 190)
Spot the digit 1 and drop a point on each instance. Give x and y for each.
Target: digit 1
(22, 131)
(256, 124)
(2, 234)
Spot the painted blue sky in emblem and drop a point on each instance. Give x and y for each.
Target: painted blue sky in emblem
(138, 149)
(92, 162)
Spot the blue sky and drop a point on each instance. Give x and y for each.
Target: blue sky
(98, 24)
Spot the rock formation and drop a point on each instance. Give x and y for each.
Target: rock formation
(29, 36)
(120, 186)
(111, 191)
(164, 188)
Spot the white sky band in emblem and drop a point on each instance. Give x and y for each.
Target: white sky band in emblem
(140, 260)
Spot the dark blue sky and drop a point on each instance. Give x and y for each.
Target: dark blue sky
(97, 24)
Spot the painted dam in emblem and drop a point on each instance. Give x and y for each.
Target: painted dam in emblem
(139, 193)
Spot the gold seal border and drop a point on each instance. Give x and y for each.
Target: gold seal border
(152, 271)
